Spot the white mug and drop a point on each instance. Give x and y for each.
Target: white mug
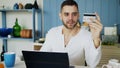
(116, 65)
(106, 66)
(112, 63)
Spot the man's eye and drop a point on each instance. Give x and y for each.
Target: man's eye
(66, 14)
(74, 14)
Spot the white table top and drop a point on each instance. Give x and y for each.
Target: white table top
(21, 64)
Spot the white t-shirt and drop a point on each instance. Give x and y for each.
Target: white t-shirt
(79, 48)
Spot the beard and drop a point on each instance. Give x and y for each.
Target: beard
(70, 24)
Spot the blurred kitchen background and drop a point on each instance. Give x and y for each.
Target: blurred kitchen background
(109, 11)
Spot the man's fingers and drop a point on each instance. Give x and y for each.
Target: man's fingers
(97, 16)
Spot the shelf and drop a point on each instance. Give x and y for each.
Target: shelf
(16, 38)
(33, 12)
(18, 10)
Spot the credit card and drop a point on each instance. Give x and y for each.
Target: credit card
(88, 16)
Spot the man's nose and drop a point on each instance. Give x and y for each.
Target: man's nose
(70, 16)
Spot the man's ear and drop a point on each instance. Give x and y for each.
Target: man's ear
(60, 16)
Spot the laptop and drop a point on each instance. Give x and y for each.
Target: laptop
(35, 59)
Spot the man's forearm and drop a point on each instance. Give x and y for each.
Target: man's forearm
(97, 42)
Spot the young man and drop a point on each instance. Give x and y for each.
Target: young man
(81, 45)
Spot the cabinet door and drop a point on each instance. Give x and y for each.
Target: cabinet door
(118, 15)
(112, 10)
(51, 14)
(104, 12)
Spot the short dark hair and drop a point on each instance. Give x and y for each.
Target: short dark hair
(70, 3)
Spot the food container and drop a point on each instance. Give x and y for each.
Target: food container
(26, 33)
(37, 46)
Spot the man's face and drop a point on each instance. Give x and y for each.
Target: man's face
(69, 15)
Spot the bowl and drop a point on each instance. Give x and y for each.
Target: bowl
(4, 32)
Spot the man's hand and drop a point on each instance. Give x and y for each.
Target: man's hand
(96, 28)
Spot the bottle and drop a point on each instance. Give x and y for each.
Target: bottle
(20, 6)
(35, 5)
(115, 30)
(16, 29)
(2, 53)
(16, 6)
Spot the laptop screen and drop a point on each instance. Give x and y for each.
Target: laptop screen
(35, 59)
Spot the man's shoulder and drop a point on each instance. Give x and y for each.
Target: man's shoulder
(55, 30)
(58, 28)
